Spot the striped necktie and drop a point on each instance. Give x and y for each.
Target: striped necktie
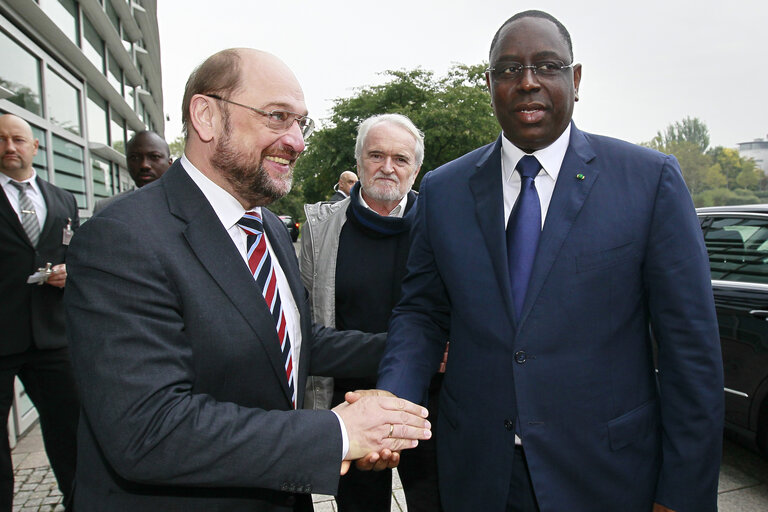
(523, 231)
(260, 265)
(27, 212)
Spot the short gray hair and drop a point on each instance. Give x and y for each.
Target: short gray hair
(396, 119)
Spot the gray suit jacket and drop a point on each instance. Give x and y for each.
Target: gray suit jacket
(185, 401)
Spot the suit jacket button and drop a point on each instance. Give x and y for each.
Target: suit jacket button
(509, 424)
(520, 356)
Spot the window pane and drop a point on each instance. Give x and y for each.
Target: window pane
(118, 132)
(115, 74)
(113, 17)
(20, 72)
(102, 177)
(97, 118)
(93, 45)
(64, 14)
(40, 162)
(63, 103)
(69, 168)
(738, 249)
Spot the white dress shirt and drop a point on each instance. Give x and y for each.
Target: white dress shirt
(35, 195)
(550, 158)
(397, 211)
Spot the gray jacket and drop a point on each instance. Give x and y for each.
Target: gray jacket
(319, 248)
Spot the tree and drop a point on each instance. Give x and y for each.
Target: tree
(453, 112)
(740, 171)
(177, 147)
(691, 130)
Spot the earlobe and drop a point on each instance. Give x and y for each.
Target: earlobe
(202, 117)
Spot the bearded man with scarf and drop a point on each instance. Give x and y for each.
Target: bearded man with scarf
(353, 257)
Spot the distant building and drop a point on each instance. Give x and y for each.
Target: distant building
(86, 75)
(757, 149)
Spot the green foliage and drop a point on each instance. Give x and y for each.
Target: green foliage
(719, 176)
(691, 130)
(177, 147)
(453, 111)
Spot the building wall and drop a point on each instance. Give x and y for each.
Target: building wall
(757, 149)
(86, 75)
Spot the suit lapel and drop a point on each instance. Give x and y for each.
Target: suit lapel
(212, 245)
(52, 206)
(486, 187)
(567, 200)
(7, 212)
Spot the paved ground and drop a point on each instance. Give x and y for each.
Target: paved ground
(743, 481)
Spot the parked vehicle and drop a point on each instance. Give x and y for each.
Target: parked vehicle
(737, 243)
(291, 226)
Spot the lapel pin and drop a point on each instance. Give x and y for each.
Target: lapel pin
(580, 177)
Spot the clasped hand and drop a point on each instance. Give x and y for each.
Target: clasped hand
(379, 425)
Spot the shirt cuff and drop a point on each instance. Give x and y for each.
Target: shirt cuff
(344, 437)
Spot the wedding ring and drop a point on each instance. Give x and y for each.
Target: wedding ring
(391, 429)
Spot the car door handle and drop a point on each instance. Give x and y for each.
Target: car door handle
(759, 313)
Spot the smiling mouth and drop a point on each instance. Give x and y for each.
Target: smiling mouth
(278, 160)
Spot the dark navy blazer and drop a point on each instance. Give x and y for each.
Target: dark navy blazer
(621, 248)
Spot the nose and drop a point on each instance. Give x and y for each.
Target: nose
(294, 138)
(145, 163)
(529, 80)
(388, 166)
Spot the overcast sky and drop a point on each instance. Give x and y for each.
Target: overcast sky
(645, 65)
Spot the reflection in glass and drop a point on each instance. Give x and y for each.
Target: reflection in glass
(113, 17)
(115, 74)
(97, 118)
(102, 177)
(64, 14)
(40, 161)
(20, 72)
(63, 103)
(93, 45)
(69, 168)
(117, 132)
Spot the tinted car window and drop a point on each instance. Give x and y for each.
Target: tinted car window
(738, 249)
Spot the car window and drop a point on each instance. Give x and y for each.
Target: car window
(738, 248)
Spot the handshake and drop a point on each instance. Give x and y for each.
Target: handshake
(379, 425)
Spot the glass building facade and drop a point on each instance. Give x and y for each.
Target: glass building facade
(86, 75)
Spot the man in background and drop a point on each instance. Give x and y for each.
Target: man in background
(551, 399)
(191, 331)
(352, 261)
(148, 157)
(37, 221)
(346, 180)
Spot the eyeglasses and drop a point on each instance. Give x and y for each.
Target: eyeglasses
(515, 70)
(278, 120)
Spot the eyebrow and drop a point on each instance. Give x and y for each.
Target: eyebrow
(546, 54)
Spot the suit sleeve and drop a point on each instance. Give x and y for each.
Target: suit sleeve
(134, 364)
(418, 328)
(684, 324)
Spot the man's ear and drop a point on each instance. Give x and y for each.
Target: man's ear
(204, 117)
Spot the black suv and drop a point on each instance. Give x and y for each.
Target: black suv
(291, 226)
(737, 243)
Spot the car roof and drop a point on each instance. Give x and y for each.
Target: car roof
(741, 208)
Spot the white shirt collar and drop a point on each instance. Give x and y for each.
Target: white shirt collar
(397, 211)
(550, 158)
(227, 208)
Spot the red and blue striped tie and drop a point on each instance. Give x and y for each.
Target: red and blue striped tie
(260, 264)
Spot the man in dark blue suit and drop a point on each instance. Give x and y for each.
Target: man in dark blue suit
(544, 257)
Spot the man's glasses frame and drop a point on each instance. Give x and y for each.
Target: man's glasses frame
(515, 70)
(278, 120)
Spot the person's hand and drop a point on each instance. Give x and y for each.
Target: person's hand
(377, 421)
(661, 508)
(58, 277)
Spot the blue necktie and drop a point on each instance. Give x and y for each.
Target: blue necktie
(523, 231)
